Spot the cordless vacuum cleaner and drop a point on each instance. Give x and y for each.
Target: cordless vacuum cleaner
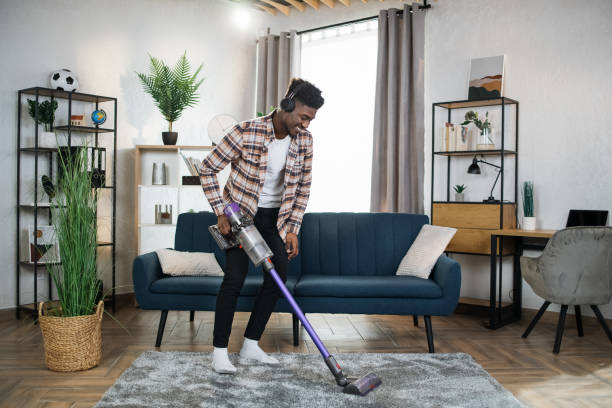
(246, 236)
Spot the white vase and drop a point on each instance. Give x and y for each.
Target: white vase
(485, 140)
(529, 223)
(459, 197)
(47, 139)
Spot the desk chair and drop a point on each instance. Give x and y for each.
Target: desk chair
(575, 268)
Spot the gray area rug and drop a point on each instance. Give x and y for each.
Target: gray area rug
(179, 379)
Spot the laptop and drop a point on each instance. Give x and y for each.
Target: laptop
(587, 218)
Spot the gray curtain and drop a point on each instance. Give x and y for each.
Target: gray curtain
(398, 150)
(278, 60)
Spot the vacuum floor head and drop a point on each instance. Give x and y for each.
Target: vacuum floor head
(361, 386)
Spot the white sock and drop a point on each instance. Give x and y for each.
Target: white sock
(221, 361)
(250, 349)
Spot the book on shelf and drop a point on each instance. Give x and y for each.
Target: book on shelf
(192, 164)
(455, 138)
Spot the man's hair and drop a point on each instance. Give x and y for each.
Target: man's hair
(308, 94)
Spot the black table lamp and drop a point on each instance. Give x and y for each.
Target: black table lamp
(475, 169)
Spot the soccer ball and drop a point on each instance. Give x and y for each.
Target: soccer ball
(63, 80)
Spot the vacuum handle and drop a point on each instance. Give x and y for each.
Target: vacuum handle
(269, 267)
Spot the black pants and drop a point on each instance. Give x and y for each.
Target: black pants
(237, 263)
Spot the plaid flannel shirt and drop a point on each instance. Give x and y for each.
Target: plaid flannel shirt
(246, 148)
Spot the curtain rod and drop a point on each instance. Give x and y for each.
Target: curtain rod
(425, 6)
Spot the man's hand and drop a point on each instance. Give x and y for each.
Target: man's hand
(292, 245)
(223, 224)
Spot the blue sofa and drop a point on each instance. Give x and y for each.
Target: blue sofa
(346, 264)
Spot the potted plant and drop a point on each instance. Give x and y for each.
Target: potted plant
(173, 90)
(71, 326)
(529, 220)
(459, 192)
(485, 141)
(46, 117)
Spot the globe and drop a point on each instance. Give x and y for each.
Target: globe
(98, 116)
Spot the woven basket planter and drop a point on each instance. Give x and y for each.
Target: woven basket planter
(71, 343)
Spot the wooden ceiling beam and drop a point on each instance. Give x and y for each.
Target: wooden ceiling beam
(297, 4)
(347, 3)
(280, 7)
(328, 3)
(313, 3)
(268, 10)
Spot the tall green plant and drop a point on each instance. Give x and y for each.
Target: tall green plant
(173, 90)
(74, 219)
(528, 198)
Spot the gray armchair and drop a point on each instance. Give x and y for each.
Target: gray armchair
(574, 269)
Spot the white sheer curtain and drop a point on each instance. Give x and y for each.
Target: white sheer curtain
(342, 63)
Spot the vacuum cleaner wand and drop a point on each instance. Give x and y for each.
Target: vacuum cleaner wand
(259, 253)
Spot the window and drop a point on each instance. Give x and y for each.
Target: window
(342, 63)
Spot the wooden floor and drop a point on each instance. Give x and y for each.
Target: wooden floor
(581, 376)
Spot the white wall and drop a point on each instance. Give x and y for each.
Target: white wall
(558, 59)
(104, 43)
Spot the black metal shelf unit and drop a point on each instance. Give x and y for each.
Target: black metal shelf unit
(502, 152)
(49, 152)
(498, 313)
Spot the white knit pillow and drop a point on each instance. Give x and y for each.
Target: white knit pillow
(178, 263)
(425, 251)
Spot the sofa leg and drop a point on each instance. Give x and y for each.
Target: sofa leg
(560, 327)
(162, 325)
(602, 321)
(296, 330)
(536, 319)
(579, 320)
(430, 342)
(191, 315)
(415, 320)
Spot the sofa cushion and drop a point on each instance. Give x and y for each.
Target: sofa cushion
(352, 244)
(184, 263)
(209, 285)
(192, 235)
(367, 287)
(425, 251)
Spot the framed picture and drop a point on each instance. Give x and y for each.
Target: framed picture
(46, 248)
(486, 78)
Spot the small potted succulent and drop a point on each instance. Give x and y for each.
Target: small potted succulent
(529, 220)
(173, 90)
(46, 117)
(459, 192)
(485, 140)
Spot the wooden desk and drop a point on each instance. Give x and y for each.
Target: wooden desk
(501, 315)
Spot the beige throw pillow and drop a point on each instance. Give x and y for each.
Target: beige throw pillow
(178, 263)
(425, 251)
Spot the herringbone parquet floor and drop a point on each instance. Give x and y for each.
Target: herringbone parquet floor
(581, 376)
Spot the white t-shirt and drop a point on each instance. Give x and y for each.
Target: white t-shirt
(272, 191)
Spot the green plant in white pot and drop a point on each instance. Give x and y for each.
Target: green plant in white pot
(485, 140)
(71, 326)
(459, 192)
(529, 220)
(172, 90)
(46, 117)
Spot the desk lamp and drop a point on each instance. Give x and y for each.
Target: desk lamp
(475, 169)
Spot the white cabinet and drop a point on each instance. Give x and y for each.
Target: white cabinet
(183, 198)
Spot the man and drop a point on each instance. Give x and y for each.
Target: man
(271, 160)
